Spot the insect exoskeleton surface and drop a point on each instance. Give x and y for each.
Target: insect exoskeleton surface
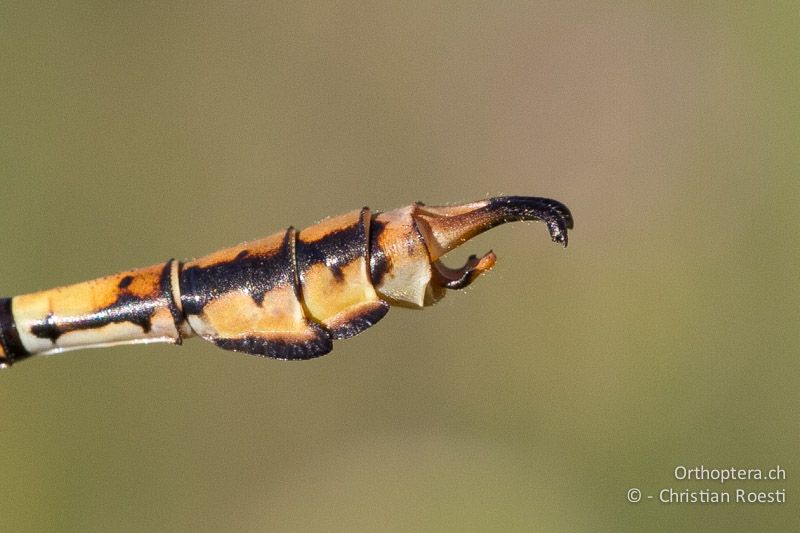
(247, 299)
(333, 265)
(286, 296)
(133, 306)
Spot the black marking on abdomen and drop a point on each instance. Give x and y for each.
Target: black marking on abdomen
(379, 262)
(359, 323)
(256, 274)
(335, 250)
(279, 348)
(9, 336)
(47, 329)
(127, 307)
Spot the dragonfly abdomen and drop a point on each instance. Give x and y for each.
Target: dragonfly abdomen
(287, 296)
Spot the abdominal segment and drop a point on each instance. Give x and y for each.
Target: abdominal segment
(333, 267)
(246, 299)
(133, 306)
(286, 296)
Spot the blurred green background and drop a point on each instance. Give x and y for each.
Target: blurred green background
(666, 334)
